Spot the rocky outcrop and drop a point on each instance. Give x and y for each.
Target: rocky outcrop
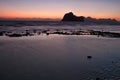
(89, 20)
(71, 17)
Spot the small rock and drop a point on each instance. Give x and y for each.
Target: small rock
(89, 57)
(97, 78)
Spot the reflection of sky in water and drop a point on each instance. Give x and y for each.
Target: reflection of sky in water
(59, 57)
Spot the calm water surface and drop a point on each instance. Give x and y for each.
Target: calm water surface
(59, 57)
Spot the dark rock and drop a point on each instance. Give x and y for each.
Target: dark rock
(1, 33)
(89, 57)
(97, 78)
(15, 35)
(71, 17)
(47, 34)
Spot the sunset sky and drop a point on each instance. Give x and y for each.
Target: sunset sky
(57, 8)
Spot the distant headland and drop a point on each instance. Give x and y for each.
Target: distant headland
(71, 17)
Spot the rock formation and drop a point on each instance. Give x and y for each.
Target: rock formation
(89, 20)
(71, 17)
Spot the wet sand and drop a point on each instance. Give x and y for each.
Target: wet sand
(59, 57)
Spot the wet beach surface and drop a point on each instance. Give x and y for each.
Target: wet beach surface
(59, 57)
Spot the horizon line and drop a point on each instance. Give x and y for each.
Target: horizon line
(48, 19)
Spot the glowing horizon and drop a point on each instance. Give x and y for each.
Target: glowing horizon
(55, 9)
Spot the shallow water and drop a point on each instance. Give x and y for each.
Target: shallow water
(59, 57)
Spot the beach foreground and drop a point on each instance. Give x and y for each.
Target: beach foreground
(59, 57)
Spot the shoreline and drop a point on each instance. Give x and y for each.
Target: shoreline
(59, 32)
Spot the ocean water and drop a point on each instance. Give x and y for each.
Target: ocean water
(21, 25)
(59, 57)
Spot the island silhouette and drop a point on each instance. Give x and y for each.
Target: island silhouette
(71, 17)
